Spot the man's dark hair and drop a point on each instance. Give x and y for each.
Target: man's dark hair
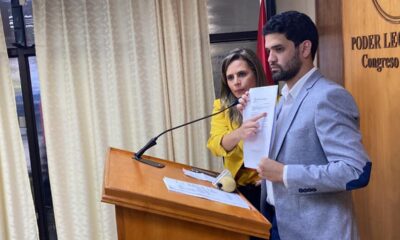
(296, 26)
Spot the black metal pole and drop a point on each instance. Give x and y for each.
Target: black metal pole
(270, 8)
(27, 96)
(34, 151)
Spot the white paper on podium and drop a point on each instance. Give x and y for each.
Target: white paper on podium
(201, 191)
(262, 99)
(200, 176)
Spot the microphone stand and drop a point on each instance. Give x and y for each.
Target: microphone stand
(153, 141)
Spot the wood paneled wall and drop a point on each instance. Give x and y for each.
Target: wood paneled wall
(330, 51)
(377, 95)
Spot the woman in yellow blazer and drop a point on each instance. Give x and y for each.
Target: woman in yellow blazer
(241, 70)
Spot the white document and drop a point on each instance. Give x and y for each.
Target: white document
(262, 99)
(198, 190)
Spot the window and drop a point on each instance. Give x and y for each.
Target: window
(232, 24)
(18, 28)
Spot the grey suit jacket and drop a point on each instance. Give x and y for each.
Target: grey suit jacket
(320, 143)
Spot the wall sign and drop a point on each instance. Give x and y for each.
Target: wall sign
(385, 13)
(388, 40)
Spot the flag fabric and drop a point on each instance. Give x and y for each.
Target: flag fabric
(261, 52)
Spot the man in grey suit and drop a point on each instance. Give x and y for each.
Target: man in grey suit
(316, 156)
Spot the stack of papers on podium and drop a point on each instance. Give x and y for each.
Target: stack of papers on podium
(200, 176)
(198, 190)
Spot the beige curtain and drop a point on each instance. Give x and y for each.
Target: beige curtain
(117, 73)
(17, 212)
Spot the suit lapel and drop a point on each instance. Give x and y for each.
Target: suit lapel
(278, 109)
(279, 137)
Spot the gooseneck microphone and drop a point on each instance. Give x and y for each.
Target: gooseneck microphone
(153, 141)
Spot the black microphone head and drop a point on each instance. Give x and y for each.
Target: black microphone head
(236, 102)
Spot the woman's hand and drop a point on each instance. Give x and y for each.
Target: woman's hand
(250, 127)
(243, 101)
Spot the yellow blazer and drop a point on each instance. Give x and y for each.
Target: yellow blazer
(233, 160)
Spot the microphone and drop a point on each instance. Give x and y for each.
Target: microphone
(225, 182)
(153, 141)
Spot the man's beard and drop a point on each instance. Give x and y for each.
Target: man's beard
(292, 68)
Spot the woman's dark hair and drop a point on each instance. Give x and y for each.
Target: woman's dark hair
(296, 26)
(227, 97)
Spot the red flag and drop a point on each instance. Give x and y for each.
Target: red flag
(261, 52)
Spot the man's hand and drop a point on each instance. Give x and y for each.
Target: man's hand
(271, 170)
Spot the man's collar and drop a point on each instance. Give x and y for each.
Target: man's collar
(294, 91)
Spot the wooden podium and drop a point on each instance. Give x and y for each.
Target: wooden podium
(146, 210)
